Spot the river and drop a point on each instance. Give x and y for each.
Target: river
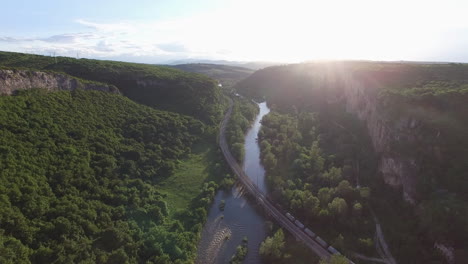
(239, 219)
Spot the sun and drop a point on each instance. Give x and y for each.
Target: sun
(298, 30)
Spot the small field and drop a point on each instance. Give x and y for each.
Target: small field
(187, 181)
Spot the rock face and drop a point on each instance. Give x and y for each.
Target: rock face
(398, 169)
(14, 80)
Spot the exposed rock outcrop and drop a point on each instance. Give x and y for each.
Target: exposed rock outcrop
(15, 80)
(398, 169)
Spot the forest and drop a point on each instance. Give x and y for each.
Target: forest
(243, 115)
(309, 164)
(80, 175)
(317, 154)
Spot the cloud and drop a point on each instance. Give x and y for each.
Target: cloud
(295, 31)
(14, 40)
(62, 38)
(135, 41)
(104, 46)
(172, 47)
(189, 37)
(70, 38)
(106, 27)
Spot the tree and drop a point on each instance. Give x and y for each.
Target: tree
(241, 253)
(316, 158)
(333, 175)
(335, 259)
(445, 217)
(338, 243)
(118, 257)
(311, 204)
(270, 161)
(272, 248)
(238, 151)
(324, 213)
(12, 250)
(338, 207)
(345, 190)
(365, 245)
(365, 192)
(324, 195)
(357, 209)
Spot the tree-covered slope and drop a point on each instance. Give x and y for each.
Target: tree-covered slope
(159, 86)
(243, 115)
(79, 180)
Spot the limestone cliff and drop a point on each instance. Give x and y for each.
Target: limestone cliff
(12, 80)
(396, 139)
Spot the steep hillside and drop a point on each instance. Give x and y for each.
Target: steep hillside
(164, 87)
(83, 178)
(403, 105)
(88, 175)
(225, 74)
(415, 116)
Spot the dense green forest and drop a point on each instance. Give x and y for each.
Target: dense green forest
(227, 75)
(84, 178)
(243, 114)
(315, 153)
(310, 164)
(164, 87)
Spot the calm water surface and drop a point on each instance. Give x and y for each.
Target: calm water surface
(239, 218)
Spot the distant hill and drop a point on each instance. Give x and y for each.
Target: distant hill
(227, 75)
(164, 87)
(254, 65)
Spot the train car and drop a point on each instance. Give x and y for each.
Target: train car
(310, 233)
(269, 199)
(299, 224)
(333, 251)
(279, 207)
(290, 217)
(321, 242)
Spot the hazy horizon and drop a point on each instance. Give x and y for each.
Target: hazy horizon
(297, 31)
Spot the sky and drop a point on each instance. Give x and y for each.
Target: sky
(160, 31)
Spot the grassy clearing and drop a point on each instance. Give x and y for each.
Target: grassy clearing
(187, 181)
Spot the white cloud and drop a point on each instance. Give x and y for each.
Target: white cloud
(273, 30)
(105, 27)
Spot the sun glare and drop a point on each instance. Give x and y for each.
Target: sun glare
(302, 30)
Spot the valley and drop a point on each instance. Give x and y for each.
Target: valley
(114, 162)
(234, 132)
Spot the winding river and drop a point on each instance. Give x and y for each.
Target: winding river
(239, 219)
